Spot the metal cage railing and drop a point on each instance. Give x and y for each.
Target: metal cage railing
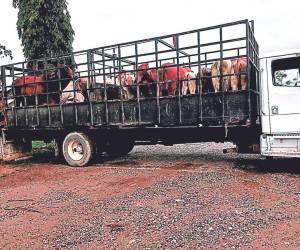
(94, 76)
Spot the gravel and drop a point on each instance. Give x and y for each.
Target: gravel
(181, 197)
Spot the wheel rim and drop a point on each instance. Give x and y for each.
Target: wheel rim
(75, 150)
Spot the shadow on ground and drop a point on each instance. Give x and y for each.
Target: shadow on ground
(276, 165)
(252, 163)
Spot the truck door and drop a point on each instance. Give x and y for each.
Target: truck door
(284, 95)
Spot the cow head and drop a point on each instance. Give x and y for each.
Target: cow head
(142, 72)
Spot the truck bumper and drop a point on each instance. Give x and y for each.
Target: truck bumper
(282, 145)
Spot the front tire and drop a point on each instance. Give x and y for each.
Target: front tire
(77, 149)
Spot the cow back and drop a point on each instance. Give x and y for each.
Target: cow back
(30, 85)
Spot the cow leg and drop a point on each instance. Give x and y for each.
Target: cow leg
(225, 83)
(216, 84)
(184, 87)
(244, 82)
(153, 89)
(234, 83)
(172, 89)
(192, 86)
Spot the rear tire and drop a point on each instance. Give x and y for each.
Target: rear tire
(77, 149)
(121, 147)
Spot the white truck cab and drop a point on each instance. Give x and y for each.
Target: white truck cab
(280, 104)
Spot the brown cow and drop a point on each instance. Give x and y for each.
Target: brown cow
(125, 80)
(206, 81)
(74, 91)
(227, 71)
(168, 78)
(146, 78)
(189, 82)
(240, 69)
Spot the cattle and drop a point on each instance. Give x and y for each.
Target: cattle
(75, 91)
(168, 78)
(56, 81)
(146, 78)
(240, 78)
(98, 86)
(42, 89)
(206, 80)
(28, 90)
(227, 72)
(126, 80)
(189, 83)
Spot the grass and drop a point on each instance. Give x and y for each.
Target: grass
(42, 144)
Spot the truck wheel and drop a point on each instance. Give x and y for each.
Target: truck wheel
(116, 148)
(77, 149)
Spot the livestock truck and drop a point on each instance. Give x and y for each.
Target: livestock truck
(263, 118)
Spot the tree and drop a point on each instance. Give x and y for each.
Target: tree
(5, 52)
(44, 28)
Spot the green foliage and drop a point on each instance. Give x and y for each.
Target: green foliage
(5, 52)
(42, 144)
(44, 28)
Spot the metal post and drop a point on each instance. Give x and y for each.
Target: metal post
(122, 94)
(3, 82)
(200, 107)
(157, 83)
(36, 95)
(89, 87)
(46, 82)
(137, 87)
(179, 83)
(221, 75)
(26, 110)
(14, 94)
(248, 68)
(105, 91)
(60, 91)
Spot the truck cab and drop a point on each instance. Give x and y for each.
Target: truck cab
(280, 109)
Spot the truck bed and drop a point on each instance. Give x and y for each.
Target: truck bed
(202, 109)
(194, 110)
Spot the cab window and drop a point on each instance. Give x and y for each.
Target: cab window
(286, 72)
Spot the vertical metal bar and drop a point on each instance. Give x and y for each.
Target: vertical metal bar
(122, 94)
(248, 67)
(89, 87)
(26, 110)
(252, 25)
(3, 82)
(138, 87)
(59, 92)
(14, 110)
(114, 66)
(257, 64)
(36, 95)
(46, 82)
(200, 107)
(221, 75)
(74, 100)
(179, 83)
(157, 82)
(105, 93)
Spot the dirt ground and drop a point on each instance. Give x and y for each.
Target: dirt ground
(181, 197)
